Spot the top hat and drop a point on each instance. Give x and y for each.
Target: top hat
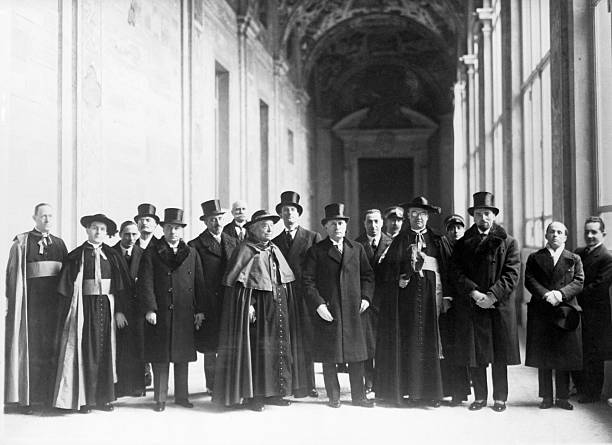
(394, 211)
(453, 219)
(211, 208)
(421, 202)
(289, 199)
(566, 317)
(334, 211)
(111, 227)
(262, 215)
(146, 210)
(483, 200)
(173, 216)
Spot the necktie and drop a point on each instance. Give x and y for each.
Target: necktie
(420, 240)
(374, 246)
(43, 243)
(289, 238)
(241, 233)
(128, 257)
(338, 248)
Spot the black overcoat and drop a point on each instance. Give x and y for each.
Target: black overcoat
(549, 347)
(214, 258)
(595, 303)
(341, 281)
(172, 286)
(490, 265)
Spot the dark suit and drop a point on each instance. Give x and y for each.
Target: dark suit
(596, 323)
(230, 229)
(549, 347)
(214, 258)
(372, 321)
(130, 342)
(301, 322)
(341, 281)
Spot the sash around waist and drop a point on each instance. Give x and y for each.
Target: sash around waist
(39, 269)
(90, 288)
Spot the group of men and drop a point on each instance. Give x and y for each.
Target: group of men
(412, 314)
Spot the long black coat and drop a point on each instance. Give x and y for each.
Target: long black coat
(595, 302)
(341, 281)
(214, 258)
(230, 229)
(173, 287)
(488, 265)
(549, 347)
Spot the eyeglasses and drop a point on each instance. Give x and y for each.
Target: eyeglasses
(415, 213)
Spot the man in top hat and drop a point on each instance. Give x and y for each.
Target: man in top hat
(215, 248)
(171, 292)
(34, 264)
(485, 271)
(455, 377)
(554, 277)
(339, 285)
(294, 241)
(147, 222)
(394, 219)
(375, 243)
(236, 228)
(408, 346)
(95, 286)
(595, 303)
(254, 361)
(130, 363)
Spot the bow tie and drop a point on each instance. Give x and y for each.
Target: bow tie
(44, 242)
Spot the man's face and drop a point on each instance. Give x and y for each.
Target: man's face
(96, 232)
(373, 224)
(43, 219)
(455, 232)
(593, 234)
(147, 224)
(393, 224)
(129, 235)
(556, 235)
(173, 233)
(336, 229)
(214, 224)
(290, 215)
(484, 219)
(262, 230)
(418, 218)
(239, 211)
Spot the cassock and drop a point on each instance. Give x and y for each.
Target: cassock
(408, 349)
(300, 320)
(130, 341)
(254, 359)
(94, 284)
(32, 316)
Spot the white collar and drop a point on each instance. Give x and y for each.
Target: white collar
(217, 237)
(484, 233)
(556, 254)
(292, 231)
(423, 231)
(376, 239)
(144, 243)
(128, 250)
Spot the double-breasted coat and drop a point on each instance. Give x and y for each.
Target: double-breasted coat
(214, 257)
(172, 286)
(549, 347)
(341, 281)
(595, 303)
(490, 264)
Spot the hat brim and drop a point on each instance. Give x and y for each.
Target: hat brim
(325, 220)
(455, 222)
(178, 223)
(150, 215)
(494, 209)
(280, 205)
(111, 227)
(215, 213)
(268, 216)
(429, 208)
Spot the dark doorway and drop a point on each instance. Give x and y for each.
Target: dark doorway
(384, 182)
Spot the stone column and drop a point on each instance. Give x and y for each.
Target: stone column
(186, 110)
(243, 28)
(471, 63)
(485, 15)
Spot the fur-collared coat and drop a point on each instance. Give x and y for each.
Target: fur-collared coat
(549, 347)
(490, 265)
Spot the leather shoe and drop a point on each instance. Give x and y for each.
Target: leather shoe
(108, 407)
(546, 403)
(334, 403)
(27, 410)
(159, 406)
(313, 393)
(256, 405)
(85, 409)
(434, 403)
(277, 401)
(477, 404)
(184, 403)
(564, 404)
(498, 407)
(364, 403)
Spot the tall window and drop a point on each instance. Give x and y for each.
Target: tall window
(535, 95)
(222, 131)
(264, 146)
